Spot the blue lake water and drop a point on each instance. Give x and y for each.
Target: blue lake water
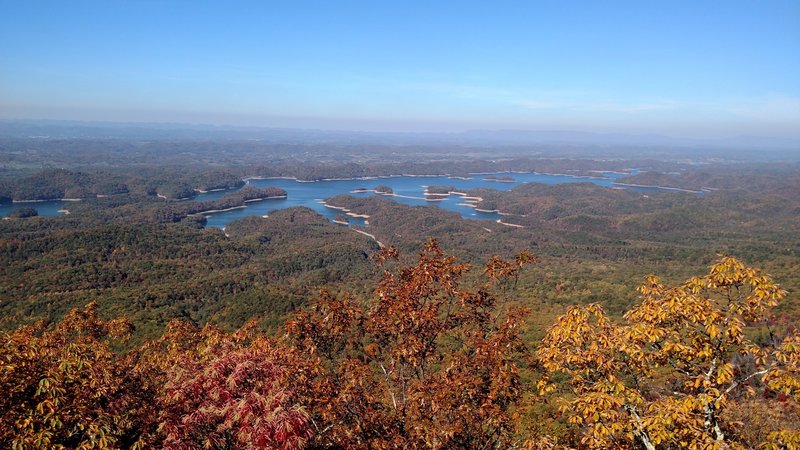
(45, 208)
(407, 189)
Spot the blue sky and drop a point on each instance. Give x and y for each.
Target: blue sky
(695, 68)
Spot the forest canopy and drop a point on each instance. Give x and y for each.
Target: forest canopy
(429, 360)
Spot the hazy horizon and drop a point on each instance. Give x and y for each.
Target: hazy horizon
(682, 69)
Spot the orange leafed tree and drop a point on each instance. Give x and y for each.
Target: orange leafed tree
(426, 364)
(59, 386)
(663, 378)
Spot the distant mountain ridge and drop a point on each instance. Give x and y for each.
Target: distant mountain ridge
(65, 129)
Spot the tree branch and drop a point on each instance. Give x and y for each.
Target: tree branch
(640, 431)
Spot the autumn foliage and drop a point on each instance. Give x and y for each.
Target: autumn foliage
(222, 391)
(193, 388)
(430, 360)
(59, 386)
(664, 377)
(426, 364)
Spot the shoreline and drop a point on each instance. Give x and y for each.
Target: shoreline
(277, 197)
(615, 172)
(571, 176)
(446, 175)
(380, 244)
(500, 221)
(214, 211)
(385, 194)
(48, 200)
(345, 210)
(658, 187)
(200, 191)
(182, 199)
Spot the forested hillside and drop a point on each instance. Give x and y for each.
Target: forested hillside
(425, 361)
(151, 273)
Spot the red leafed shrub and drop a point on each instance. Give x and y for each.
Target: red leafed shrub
(426, 363)
(235, 400)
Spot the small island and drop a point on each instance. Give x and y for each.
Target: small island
(23, 213)
(438, 193)
(439, 190)
(383, 190)
(234, 200)
(252, 194)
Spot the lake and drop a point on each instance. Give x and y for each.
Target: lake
(408, 190)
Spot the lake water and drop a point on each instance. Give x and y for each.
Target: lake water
(45, 208)
(408, 189)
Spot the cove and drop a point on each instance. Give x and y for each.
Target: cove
(45, 208)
